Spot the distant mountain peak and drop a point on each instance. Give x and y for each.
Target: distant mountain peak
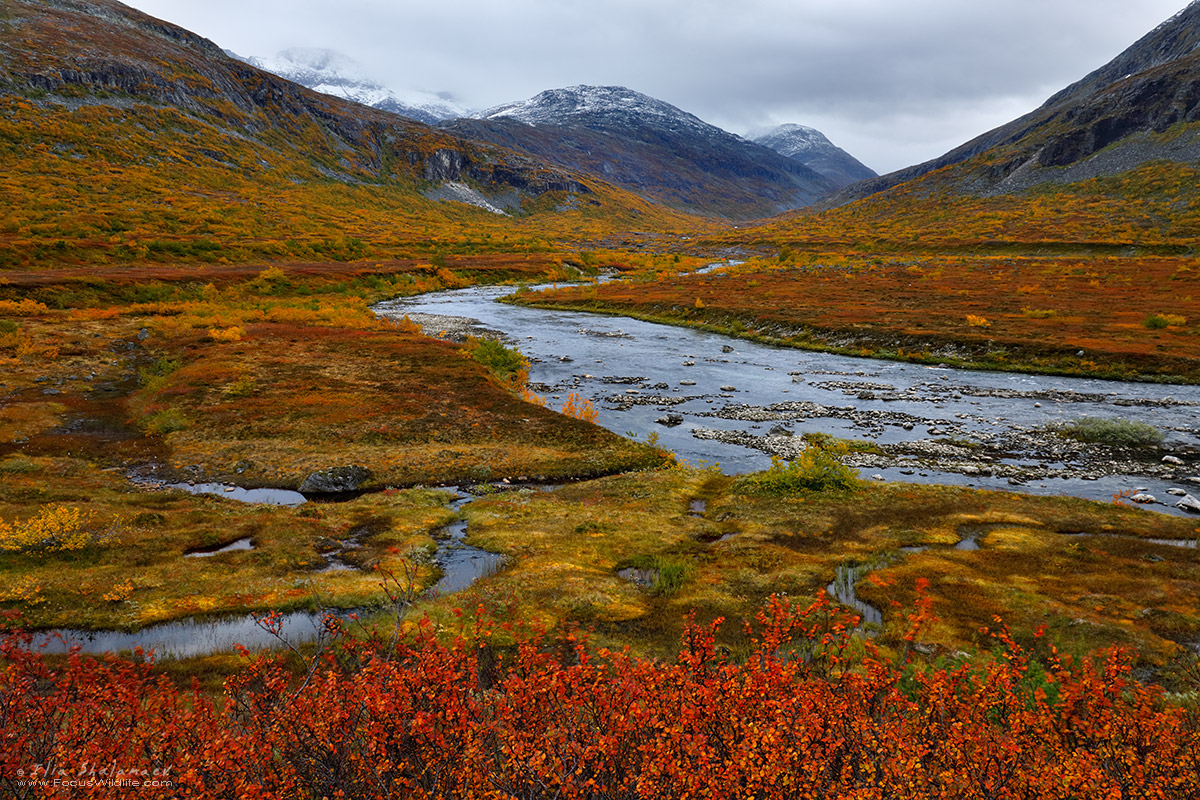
(790, 136)
(814, 150)
(593, 105)
(333, 73)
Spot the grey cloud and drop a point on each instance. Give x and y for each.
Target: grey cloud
(893, 83)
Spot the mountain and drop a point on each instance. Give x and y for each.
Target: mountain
(123, 137)
(330, 72)
(812, 149)
(1139, 108)
(649, 147)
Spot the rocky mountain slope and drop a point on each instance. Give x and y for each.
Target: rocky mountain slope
(102, 53)
(123, 136)
(1140, 107)
(330, 72)
(814, 150)
(651, 148)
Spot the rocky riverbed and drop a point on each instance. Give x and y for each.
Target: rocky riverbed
(709, 398)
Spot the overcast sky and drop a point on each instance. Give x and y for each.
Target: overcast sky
(894, 83)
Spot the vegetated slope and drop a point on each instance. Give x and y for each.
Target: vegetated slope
(652, 148)
(122, 136)
(1139, 108)
(814, 150)
(331, 72)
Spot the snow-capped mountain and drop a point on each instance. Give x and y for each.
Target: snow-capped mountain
(814, 150)
(598, 107)
(330, 72)
(651, 147)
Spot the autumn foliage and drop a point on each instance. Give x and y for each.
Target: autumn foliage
(811, 710)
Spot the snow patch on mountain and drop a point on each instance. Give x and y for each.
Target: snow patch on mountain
(456, 192)
(333, 73)
(790, 139)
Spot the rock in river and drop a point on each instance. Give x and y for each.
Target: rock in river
(1189, 503)
(336, 479)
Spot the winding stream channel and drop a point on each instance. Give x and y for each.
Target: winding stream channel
(460, 563)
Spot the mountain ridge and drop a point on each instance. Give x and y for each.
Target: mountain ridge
(123, 137)
(1140, 94)
(333, 73)
(650, 147)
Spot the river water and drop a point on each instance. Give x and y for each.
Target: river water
(737, 402)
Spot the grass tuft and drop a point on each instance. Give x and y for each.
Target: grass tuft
(1112, 432)
(817, 469)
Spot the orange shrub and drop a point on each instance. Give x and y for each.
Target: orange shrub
(234, 334)
(22, 308)
(808, 711)
(579, 409)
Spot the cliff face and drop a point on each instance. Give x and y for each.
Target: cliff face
(1144, 105)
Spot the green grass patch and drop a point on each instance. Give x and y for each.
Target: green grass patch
(817, 469)
(506, 363)
(1112, 432)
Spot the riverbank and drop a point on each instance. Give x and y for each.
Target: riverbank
(279, 380)
(1101, 317)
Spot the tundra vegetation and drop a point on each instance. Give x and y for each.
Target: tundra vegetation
(263, 374)
(185, 295)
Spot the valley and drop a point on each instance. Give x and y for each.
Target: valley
(357, 423)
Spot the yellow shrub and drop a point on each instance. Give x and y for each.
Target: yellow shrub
(55, 528)
(406, 325)
(234, 334)
(119, 593)
(23, 308)
(530, 397)
(26, 591)
(978, 322)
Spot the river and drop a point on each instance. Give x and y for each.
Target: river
(736, 402)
